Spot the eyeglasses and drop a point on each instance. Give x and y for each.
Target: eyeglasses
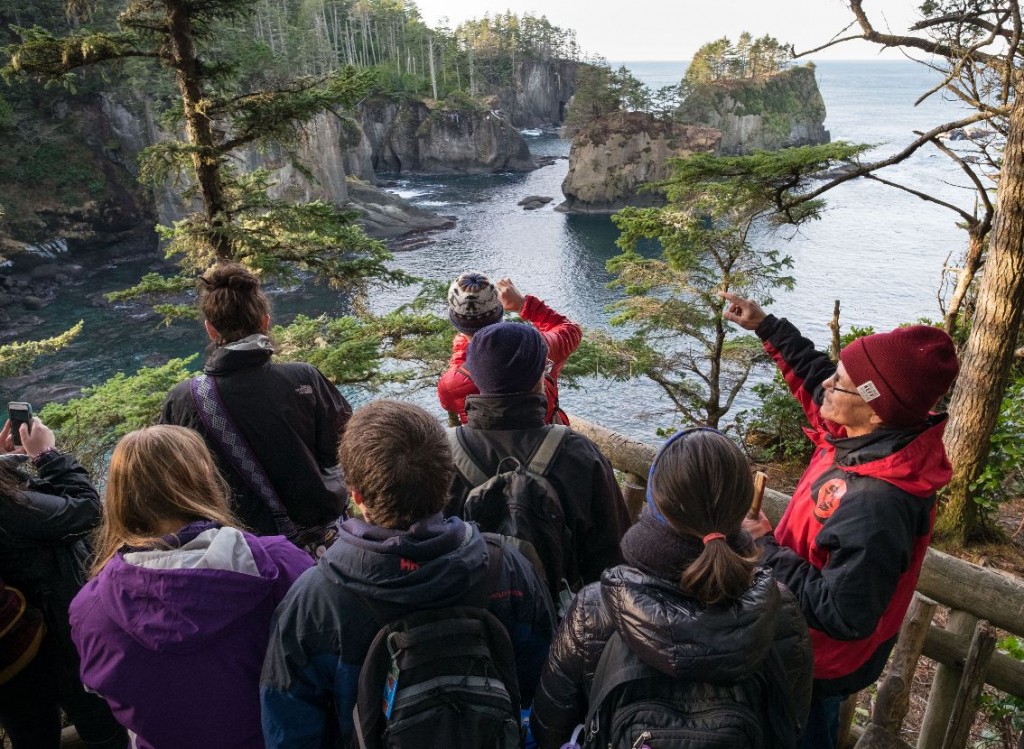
(836, 389)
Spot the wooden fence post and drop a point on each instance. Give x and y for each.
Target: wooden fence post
(983, 644)
(893, 699)
(634, 491)
(944, 688)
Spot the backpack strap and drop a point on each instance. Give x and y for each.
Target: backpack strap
(617, 666)
(542, 457)
(464, 460)
(235, 449)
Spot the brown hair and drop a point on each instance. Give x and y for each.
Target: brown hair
(701, 484)
(232, 301)
(158, 474)
(396, 456)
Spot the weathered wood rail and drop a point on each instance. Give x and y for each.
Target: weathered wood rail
(979, 601)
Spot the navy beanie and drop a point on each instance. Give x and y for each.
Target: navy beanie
(506, 358)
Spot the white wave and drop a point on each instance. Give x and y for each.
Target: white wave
(435, 203)
(408, 193)
(532, 132)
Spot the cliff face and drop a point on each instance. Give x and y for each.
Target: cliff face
(613, 156)
(65, 175)
(541, 93)
(408, 136)
(761, 114)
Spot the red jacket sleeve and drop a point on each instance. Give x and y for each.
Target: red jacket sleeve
(454, 386)
(562, 335)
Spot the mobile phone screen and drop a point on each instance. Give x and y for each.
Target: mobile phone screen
(19, 413)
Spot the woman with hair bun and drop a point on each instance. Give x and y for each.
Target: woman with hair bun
(173, 627)
(689, 643)
(274, 428)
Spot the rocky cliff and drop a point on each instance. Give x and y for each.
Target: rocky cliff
(783, 110)
(541, 93)
(410, 136)
(65, 176)
(612, 157)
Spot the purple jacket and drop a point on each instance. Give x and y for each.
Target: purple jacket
(174, 639)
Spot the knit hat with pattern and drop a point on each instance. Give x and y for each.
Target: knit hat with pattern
(903, 373)
(473, 302)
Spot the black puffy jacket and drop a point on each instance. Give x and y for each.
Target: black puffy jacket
(43, 531)
(674, 633)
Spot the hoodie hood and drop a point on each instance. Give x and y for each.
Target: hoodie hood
(915, 462)
(679, 636)
(430, 565)
(178, 600)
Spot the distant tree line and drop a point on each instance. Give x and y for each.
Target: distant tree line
(601, 91)
(280, 39)
(748, 58)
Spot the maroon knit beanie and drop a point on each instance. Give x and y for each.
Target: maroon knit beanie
(903, 373)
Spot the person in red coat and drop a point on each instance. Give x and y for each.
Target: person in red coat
(474, 303)
(854, 536)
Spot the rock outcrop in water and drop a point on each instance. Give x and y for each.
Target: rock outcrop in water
(613, 157)
(764, 114)
(408, 136)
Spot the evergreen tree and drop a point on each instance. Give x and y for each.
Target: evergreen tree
(715, 206)
(238, 220)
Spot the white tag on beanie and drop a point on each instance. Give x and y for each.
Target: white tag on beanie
(868, 391)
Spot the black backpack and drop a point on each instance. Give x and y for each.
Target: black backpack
(520, 504)
(440, 678)
(633, 706)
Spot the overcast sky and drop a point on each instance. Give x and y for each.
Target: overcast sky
(673, 30)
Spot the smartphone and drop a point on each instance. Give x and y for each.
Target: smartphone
(19, 413)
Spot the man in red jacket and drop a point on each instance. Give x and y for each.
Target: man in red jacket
(852, 541)
(474, 303)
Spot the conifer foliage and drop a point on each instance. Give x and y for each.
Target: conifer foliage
(717, 206)
(237, 219)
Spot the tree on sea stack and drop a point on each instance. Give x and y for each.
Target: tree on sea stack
(237, 220)
(715, 204)
(981, 52)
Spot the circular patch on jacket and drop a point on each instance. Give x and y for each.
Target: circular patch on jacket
(828, 498)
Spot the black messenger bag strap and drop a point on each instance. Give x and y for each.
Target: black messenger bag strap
(235, 449)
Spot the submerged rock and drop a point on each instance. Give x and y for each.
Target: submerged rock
(384, 215)
(533, 202)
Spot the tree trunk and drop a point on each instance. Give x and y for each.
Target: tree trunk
(433, 73)
(198, 127)
(972, 261)
(988, 354)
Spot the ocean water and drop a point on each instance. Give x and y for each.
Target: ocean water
(879, 250)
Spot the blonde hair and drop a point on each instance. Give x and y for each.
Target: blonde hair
(158, 473)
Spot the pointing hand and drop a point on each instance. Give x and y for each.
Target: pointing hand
(744, 312)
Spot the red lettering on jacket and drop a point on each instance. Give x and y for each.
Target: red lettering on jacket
(407, 565)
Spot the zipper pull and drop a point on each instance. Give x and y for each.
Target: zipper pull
(641, 741)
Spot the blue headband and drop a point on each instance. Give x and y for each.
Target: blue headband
(682, 434)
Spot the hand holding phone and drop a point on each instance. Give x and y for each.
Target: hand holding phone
(19, 413)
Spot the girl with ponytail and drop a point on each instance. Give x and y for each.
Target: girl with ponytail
(690, 609)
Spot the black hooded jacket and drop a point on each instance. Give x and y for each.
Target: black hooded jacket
(668, 630)
(292, 418)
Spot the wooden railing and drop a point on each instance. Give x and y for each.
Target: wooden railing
(979, 600)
